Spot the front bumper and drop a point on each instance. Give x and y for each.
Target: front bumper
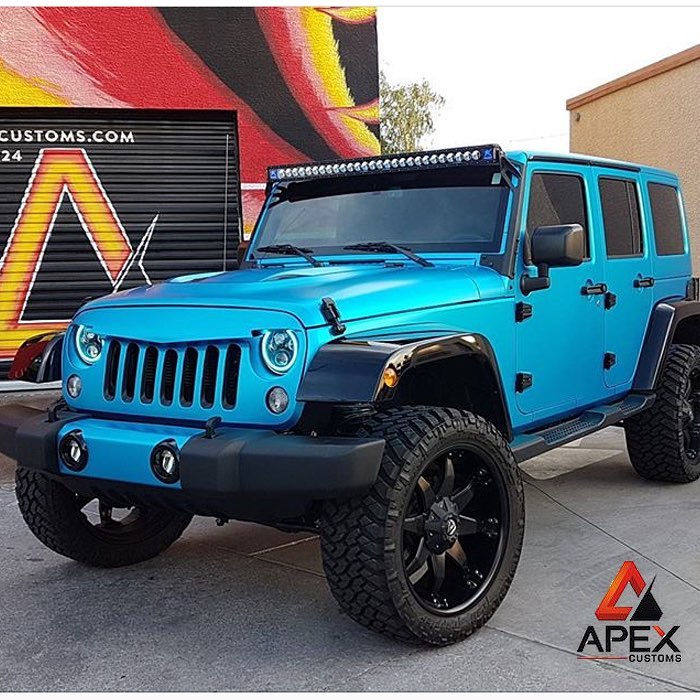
(235, 463)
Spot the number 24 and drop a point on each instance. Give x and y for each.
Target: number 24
(6, 156)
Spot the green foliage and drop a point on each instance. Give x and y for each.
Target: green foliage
(406, 114)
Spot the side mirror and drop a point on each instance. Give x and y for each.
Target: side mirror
(553, 246)
(558, 246)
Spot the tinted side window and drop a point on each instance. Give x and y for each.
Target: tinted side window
(623, 231)
(557, 199)
(666, 215)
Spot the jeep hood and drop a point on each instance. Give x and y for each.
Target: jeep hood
(359, 290)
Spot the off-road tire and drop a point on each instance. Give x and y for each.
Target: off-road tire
(360, 544)
(53, 515)
(654, 437)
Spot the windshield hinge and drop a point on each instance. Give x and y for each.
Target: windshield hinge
(508, 168)
(330, 312)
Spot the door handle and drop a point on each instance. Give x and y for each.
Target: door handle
(642, 282)
(599, 288)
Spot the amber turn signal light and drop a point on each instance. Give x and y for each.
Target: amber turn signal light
(390, 377)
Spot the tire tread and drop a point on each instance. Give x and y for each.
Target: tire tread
(355, 549)
(654, 443)
(50, 511)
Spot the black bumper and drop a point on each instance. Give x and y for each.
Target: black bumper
(235, 462)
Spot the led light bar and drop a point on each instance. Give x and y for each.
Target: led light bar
(470, 155)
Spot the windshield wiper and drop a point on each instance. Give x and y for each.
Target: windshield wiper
(287, 249)
(385, 247)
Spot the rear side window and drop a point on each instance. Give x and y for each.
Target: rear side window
(557, 199)
(623, 230)
(666, 215)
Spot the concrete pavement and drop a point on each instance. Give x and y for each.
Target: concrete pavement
(244, 607)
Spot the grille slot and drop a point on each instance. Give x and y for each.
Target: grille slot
(189, 374)
(209, 371)
(148, 378)
(231, 369)
(167, 385)
(112, 370)
(130, 363)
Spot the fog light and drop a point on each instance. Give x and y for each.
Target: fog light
(74, 386)
(165, 461)
(73, 451)
(277, 399)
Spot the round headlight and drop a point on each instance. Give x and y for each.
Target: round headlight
(88, 344)
(279, 350)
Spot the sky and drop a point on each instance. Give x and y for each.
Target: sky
(506, 72)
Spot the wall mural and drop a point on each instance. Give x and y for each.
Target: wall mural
(304, 81)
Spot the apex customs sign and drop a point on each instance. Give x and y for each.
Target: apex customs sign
(94, 201)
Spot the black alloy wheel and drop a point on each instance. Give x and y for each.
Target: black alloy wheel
(429, 553)
(453, 530)
(690, 415)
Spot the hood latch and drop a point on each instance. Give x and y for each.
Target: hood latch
(330, 312)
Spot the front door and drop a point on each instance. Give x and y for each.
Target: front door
(559, 346)
(628, 273)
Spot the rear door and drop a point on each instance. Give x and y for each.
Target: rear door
(669, 235)
(94, 201)
(628, 273)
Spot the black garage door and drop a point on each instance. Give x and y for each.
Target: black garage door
(93, 201)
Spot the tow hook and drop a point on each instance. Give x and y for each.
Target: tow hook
(210, 427)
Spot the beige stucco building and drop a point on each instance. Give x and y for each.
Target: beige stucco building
(651, 116)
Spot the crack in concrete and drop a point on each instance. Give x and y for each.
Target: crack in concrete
(255, 557)
(611, 536)
(354, 676)
(282, 546)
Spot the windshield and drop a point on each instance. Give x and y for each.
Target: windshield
(456, 209)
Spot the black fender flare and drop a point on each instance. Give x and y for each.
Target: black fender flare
(351, 371)
(666, 319)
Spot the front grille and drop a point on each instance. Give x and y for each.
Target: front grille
(204, 376)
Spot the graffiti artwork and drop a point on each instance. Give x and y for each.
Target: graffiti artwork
(302, 81)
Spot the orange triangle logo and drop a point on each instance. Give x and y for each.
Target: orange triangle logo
(608, 608)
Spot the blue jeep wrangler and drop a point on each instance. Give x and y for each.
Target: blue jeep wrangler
(402, 331)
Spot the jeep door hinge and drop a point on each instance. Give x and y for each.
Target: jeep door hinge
(523, 381)
(609, 360)
(523, 311)
(610, 300)
(330, 312)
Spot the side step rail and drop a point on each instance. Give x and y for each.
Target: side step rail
(530, 445)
